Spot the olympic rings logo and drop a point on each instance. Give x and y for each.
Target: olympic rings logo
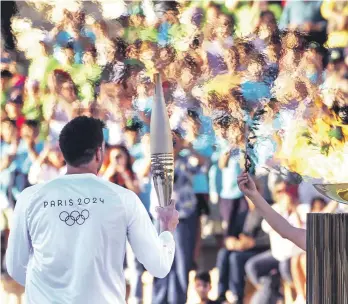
(74, 217)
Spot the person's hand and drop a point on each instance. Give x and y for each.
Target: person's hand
(247, 185)
(231, 243)
(168, 216)
(246, 242)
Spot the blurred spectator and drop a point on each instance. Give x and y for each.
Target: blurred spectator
(262, 269)
(8, 151)
(119, 171)
(32, 97)
(59, 104)
(71, 31)
(305, 16)
(231, 260)
(231, 199)
(28, 150)
(200, 150)
(203, 287)
(49, 165)
(6, 77)
(42, 65)
(14, 108)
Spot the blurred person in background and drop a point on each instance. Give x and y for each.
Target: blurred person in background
(265, 31)
(42, 65)
(119, 171)
(203, 287)
(265, 269)
(87, 76)
(143, 101)
(312, 63)
(32, 99)
(71, 29)
(9, 145)
(231, 201)
(60, 102)
(114, 70)
(6, 84)
(132, 137)
(49, 165)
(199, 149)
(221, 40)
(250, 241)
(305, 16)
(14, 107)
(29, 148)
(173, 288)
(253, 86)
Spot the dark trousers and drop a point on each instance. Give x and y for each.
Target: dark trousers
(231, 265)
(136, 281)
(231, 211)
(173, 288)
(263, 269)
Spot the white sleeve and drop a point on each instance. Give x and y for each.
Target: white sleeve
(19, 244)
(155, 252)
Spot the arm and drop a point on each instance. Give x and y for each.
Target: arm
(155, 252)
(278, 223)
(32, 152)
(19, 244)
(223, 160)
(274, 219)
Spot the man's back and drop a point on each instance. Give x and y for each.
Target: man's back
(77, 227)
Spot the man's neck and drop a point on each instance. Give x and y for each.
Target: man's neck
(80, 170)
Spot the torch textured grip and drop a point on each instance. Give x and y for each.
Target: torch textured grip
(162, 169)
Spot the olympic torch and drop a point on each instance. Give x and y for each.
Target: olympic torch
(161, 141)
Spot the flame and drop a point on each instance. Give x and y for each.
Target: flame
(316, 147)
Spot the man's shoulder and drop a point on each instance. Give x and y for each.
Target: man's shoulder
(29, 193)
(112, 186)
(123, 193)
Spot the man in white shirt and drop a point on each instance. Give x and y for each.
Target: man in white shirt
(68, 236)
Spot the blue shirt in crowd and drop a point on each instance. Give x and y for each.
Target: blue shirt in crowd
(255, 91)
(299, 12)
(230, 189)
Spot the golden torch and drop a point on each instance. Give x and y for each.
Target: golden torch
(162, 158)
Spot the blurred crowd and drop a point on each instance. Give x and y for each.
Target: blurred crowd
(216, 60)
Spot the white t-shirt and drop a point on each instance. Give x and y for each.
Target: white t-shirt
(68, 240)
(282, 249)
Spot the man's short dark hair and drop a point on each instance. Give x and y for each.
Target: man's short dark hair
(203, 276)
(80, 139)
